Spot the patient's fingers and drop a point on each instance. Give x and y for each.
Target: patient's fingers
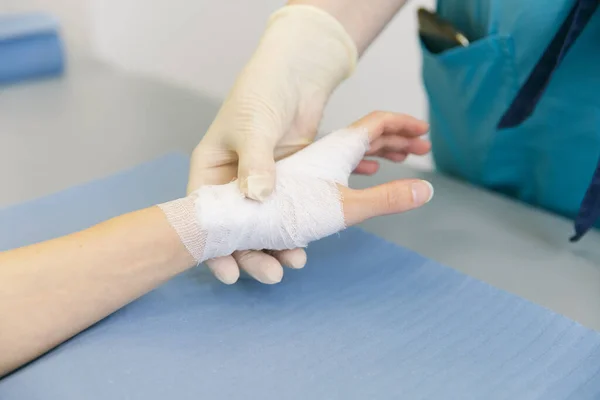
(367, 167)
(389, 198)
(395, 157)
(381, 123)
(390, 143)
(385, 144)
(259, 265)
(225, 269)
(419, 147)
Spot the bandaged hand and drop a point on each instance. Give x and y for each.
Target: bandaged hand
(310, 200)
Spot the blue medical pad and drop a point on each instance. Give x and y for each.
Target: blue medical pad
(30, 47)
(366, 319)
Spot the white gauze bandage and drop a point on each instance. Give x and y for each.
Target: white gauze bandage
(306, 204)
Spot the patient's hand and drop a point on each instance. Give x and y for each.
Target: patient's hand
(213, 163)
(311, 199)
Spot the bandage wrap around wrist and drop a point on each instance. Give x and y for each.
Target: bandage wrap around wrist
(306, 204)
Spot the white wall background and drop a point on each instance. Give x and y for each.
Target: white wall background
(202, 44)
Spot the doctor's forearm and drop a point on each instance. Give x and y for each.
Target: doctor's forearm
(363, 19)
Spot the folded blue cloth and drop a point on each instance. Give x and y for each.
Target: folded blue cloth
(30, 47)
(366, 319)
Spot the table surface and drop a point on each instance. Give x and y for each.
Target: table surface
(97, 121)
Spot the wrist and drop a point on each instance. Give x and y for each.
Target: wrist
(313, 41)
(181, 215)
(363, 20)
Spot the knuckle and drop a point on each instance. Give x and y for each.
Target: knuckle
(379, 116)
(380, 119)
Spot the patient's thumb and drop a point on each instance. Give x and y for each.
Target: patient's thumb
(389, 198)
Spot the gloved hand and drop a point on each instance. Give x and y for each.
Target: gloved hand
(277, 102)
(272, 111)
(311, 198)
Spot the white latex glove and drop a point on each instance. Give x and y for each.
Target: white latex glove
(277, 102)
(272, 111)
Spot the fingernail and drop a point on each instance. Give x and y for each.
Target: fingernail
(258, 187)
(422, 192)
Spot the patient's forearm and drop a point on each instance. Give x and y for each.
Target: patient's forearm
(53, 290)
(363, 19)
